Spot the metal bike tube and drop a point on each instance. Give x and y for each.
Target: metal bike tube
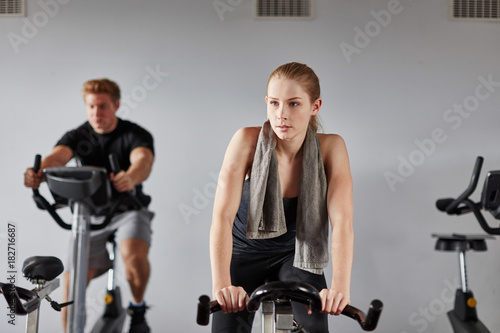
(463, 271)
(267, 316)
(78, 277)
(283, 316)
(32, 321)
(111, 271)
(42, 289)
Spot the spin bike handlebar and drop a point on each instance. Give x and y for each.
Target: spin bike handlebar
(463, 204)
(15, 295)
(42, 203)
(293, 291)
(115, 168)
(450, 205)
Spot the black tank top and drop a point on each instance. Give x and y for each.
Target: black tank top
(278, 245)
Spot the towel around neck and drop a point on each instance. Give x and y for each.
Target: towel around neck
(266, 217)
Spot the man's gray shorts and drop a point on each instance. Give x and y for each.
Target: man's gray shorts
(134, 224)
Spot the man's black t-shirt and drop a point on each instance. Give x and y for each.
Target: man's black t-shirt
(93, 149)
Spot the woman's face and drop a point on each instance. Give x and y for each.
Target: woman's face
(289, 108)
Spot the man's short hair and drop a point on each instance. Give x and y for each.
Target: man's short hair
(102, 86)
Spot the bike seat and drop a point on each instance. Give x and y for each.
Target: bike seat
(459, 242)
(44, 268)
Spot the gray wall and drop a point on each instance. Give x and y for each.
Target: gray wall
(394, 94)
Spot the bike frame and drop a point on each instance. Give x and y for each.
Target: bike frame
(114, 315)
(78, 185)
(74, 187)
(463, 317)
(277, 317)
(78, 275)
(42, 272)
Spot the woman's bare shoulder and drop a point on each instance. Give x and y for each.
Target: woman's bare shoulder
(330, 140)
(246, 138)
(333, 148)
(241, 149)
(335, 155)
(248, 133)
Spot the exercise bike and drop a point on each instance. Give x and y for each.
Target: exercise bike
(87, 191)
(463, 317)
(277, 315)
(42, 272)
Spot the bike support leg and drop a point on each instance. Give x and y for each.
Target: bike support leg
(32, 321)
(78, 278)
(42, 289)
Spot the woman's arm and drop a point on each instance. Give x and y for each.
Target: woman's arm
(236, 164)
(340, 212)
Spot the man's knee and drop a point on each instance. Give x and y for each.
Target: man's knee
(135, 254)
(134, 248)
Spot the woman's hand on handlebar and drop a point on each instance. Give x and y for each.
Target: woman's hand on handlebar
(333, 301)
(33, 179)
(231, 299)
(122, 181)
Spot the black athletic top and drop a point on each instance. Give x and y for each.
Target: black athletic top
(281, 244)
(92, 148)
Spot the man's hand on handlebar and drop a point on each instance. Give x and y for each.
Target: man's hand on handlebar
(122, 181)
(33, 179)
(332, 301)
(231, 299)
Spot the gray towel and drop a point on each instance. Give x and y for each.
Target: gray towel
(266, 217)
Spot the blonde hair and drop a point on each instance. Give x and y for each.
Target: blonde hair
(102, 86)
(304, 75)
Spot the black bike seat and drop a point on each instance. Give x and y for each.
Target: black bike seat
(459, 242)
(44, 268)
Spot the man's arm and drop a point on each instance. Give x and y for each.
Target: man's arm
(59, 156)
(141, 163)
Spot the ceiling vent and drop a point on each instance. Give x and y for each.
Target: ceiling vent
(288, 9)
(12, 8)
(486, 10)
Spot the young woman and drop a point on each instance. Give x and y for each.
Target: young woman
(278, 186)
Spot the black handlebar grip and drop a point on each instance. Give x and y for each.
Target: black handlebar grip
(367, 322)
(373, 315)
(38, 163)
(36, 167)
(113, 162)
(203, 315)
(442, 204)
